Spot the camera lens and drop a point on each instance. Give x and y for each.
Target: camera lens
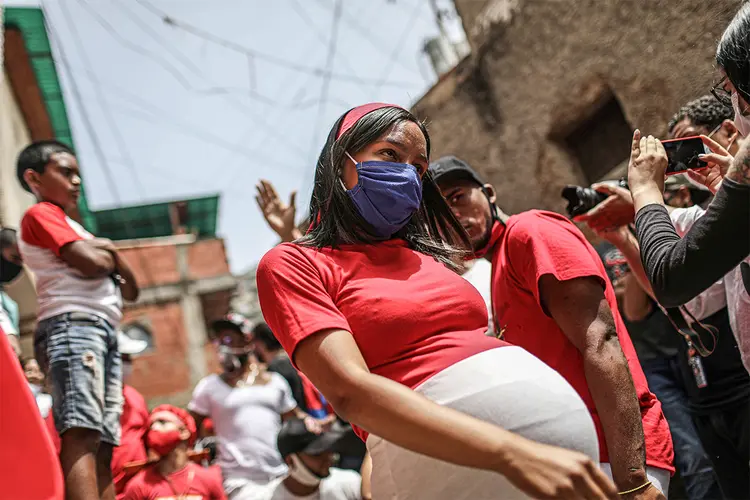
(581, 199)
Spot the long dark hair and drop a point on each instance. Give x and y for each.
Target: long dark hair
(433, 230)
(733, 51)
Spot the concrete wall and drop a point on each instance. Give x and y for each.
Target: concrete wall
(14, 201)
(540, 70)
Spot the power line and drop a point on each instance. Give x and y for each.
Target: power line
(250, 111)
(300, 11)
(329, 68)
(399, 44)
(99, 151)
(200, 33)
(375, 41)
(119, 139)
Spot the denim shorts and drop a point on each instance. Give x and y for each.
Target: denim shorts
(78, 353)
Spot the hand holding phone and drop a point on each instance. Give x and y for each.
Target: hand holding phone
(683, 154)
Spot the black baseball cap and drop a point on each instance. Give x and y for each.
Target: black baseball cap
(295, 438)
(450, 166)
(234, 321)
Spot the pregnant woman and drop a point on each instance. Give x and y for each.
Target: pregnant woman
(369, 305)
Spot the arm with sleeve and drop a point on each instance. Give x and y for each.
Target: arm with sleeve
(680, 269)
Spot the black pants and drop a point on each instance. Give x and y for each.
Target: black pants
(725, 435)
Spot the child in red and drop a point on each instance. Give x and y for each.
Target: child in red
(170, 435)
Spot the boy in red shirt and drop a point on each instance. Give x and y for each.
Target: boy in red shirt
(171, 433)
(551, 296)
(80, 284)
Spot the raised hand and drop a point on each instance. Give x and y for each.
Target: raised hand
(278, 215)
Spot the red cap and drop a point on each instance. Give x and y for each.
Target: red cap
(182, 415)
(353, 116)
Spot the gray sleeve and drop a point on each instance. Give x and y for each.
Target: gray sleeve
(681, 268)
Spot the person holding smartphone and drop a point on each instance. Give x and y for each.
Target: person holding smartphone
(681, 268)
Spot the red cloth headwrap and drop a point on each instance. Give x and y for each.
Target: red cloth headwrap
(353, 116)
(183, 415)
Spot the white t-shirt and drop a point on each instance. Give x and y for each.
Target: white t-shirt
(729, 291)
(340, 485)
(714, 298)
(45, 230)
(480, 275)
(246, 421)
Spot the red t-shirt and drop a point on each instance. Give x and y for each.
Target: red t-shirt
(537, 243)
(411, 316)
(134, 424)
(193, 482)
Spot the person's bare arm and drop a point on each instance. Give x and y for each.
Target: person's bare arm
(333, 362)
(198, 419)
(15, 343)
(366, 472)
(580, 309)
(128, 283)
(88, 259)
(636, 303)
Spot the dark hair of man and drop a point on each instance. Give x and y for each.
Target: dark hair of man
(733, 49)
(7, 238)
(433, 230)
(705, 112)
(263, 333)
(36, 156)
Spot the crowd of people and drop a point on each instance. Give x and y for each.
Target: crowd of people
(420, 338)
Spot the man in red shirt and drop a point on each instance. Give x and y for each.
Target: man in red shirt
(171, 433)
(134, 418)
(551, 296)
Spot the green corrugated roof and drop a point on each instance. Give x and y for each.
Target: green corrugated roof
(30, 21)
(152, 220)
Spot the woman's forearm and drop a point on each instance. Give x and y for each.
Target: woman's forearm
(406, 418)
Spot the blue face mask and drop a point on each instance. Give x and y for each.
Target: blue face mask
(386, 195)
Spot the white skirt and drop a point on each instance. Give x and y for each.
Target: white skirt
(507, 387)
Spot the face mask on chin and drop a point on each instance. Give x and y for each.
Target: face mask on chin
(302, 474)
(741, 121)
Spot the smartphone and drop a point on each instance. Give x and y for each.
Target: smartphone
(683, 154)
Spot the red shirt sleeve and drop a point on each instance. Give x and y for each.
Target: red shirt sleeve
(546, 243)
(293, 297)
(45, 225)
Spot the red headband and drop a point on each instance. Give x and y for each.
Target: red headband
(353, 116)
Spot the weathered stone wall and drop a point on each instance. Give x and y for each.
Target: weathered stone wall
(541, 68)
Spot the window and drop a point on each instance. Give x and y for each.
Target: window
(139, 331)
(602, 142)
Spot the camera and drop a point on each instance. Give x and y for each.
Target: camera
(582, 199)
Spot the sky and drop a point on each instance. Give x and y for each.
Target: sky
(231, 92)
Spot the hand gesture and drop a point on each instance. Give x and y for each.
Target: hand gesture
(614, 212)
(616, 236)
(279, 216)
(718, 161)
(648, 164)
(543, 471)
(102, 244)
